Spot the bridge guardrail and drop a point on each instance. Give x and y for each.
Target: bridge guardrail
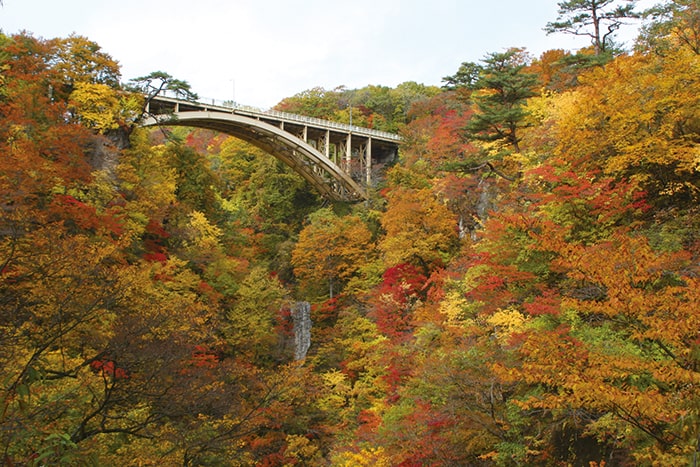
(233, 106)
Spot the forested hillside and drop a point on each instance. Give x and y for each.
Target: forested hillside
(521, 288)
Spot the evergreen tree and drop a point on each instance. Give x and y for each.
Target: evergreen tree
(590, 18)
(501, 90)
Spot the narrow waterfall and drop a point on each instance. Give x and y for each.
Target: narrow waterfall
(301, 317)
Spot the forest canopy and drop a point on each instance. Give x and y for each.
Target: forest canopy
(522, 287)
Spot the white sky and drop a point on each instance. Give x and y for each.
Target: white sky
(261, 51)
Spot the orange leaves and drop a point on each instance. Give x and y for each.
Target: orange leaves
(79, 214)
(574, 375)
(625, 343)
(331, 249)
(552, 357)
(419, 229)
(637, 284)
(612, 328)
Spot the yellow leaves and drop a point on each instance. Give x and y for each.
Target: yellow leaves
(69, 287)
(3, 79)
(96, 105)
(338, 392)
(79, 60)
(16, 134)
(637, 115)
(538, 108)
(302, 450)
(147, 178)
(202, 234)
(336, 381)
(454, 306)
(143, 452)
(363, 344)
(103, 108)
(506, 322)
(419, 229)
(252, 317)
(366, 457)
(163, 293)
(509, 319)
(572, 129)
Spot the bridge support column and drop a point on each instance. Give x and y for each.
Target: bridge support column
(348, 154)
(323, 144)
(368, 162)
(365, 160)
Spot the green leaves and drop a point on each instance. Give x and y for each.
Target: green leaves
(157, 82)
(593, 18)
(500, 94)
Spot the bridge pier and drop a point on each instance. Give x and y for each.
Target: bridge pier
(368, 163)
(351, 148)
(347, 167)
(326, 146)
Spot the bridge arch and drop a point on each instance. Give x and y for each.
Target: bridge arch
(324, 175)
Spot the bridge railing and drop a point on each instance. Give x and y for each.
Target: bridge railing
(231, 106)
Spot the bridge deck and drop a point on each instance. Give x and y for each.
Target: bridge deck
(161, 103)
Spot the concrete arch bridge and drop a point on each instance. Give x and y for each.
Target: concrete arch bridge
(335, 158)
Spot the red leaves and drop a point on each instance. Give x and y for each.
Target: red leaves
(447, 138)
(108, 368)
(204, 141)
(548, 303)
(577, 194)
(154, 242)
(156, 257)
(157, 230)
(84, 216)
(203, 360)
(208, 294)
(285, 324)
(402, 287)
(204, 357)
(403, 279)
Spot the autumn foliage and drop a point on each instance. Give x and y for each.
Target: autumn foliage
(522, 289)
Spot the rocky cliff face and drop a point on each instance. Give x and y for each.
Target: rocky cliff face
(301, 317)
(104, 150)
